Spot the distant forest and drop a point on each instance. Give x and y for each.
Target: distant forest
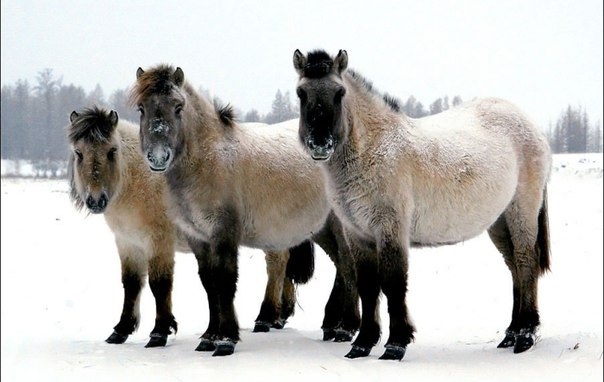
(34, 118)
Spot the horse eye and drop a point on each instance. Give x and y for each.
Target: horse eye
(340, 94)
(141, 110)
(301, 94)
(178, 110)
(78, 154)
(111, 154)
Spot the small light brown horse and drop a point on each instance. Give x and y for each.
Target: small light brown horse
(231, 185)
(397, 182)
(108, 175)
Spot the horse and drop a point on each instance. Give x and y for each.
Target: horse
(231, 186)
(107, 175)
(397, 182)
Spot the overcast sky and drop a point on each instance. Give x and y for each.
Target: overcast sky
(542, 55)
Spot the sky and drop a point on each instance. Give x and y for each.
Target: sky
(542, 55)
(61, 295)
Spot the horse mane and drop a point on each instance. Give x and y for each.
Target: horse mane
(93, 125)
(319, 64)
(392, 102)
(159, 80)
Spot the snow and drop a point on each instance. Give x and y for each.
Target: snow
(61, 296)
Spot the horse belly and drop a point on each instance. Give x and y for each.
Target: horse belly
(455, 218)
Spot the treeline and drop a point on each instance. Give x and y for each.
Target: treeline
(34, 118)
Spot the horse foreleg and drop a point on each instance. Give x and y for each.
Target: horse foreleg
(271, 305)
(132, 282)
(202, 255)
(161, 271)
(369, 289)
(224, 275)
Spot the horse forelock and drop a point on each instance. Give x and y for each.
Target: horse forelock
(318, 64)
(93, 125)
(157, 80)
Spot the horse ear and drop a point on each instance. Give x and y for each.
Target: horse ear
(179, 76)
(139, 72)
(341, 61)
(113, 118)
(299, 62)
(74, 114)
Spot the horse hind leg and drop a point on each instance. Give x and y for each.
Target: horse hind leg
(270, 309)
(161, 271)
(522, 236)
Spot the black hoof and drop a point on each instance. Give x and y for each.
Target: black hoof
(279, 324)
(116, 338)
(205, 345)
(329, 334)
(394, 352)
(358, 352)
(262, 327)
(524, 341)
(157, 340)
(224, 348)
(508, 341)
(343, 335)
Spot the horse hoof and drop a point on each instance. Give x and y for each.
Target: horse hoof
(157, 340)
(224, 348)
(116, 338)
(508, 341)
(524, 341)
(279, 324)
(343, 335)
(329, 334)
(394, 352)
(205, 345)
(358, 352)
(262, 327)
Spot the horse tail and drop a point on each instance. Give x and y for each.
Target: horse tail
(301, 263)
(542, 246)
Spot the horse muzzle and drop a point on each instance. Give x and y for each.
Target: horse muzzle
(97, 205)
(320, 152)
(159, 158)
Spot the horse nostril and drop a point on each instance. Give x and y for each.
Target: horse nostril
(90, 202)
(103, 201)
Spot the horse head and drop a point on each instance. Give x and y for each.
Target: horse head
(321, 92)
(94, 172)
(160, 101)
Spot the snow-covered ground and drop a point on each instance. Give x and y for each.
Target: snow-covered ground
(61, 296)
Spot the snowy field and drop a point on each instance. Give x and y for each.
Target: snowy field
(61, 297)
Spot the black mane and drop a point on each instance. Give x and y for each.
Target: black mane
(392, 102)
(93, 125)
(318, 64)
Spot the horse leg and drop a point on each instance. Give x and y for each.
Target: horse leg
(500, 236)
(525, 219)
(270, 309)
(161, 271)
(342, 317)
(288, 302)
(132, 281)
(369, 289)
(393, 269)
(202, 254)
(224, 274)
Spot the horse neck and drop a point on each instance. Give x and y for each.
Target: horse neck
(202, 130)
(368, 118)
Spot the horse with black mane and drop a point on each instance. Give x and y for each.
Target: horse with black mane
(231, 185)
(397, 182)
(108, 175)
